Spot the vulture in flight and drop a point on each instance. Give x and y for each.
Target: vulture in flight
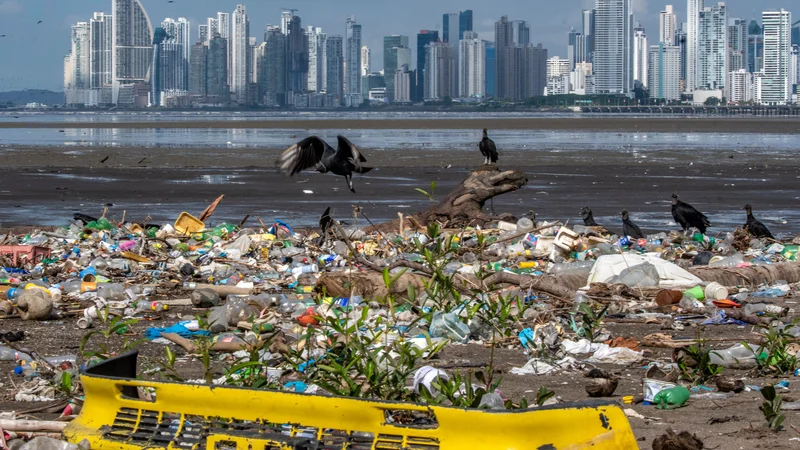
(313, 152)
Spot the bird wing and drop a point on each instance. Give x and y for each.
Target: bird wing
(325, 219)
(302, 155)
(347, 150)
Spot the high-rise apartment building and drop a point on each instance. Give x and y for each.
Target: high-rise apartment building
(472, 66)
(693, 8)
(664, 72)
(740, 86)
(441, 71)
(169, 74)
(77, 70)
(755, 47)
(240, 37)
(202, 33)
(353, 57)
(667, 26)
(101, 42)
(334, 66)
(424, 38)
(737, 44)
(558, 75)
(712, 56)
(132, 52)
(395, 54)
(588, 31)
(179, 34)
(223, 27)
(775, 89)
(402, 85)
(198, 86)
(217, 88)
(520, 33)
(613, 52)
(275, 67)
(297, 52)
(490, 67)
(317, 44)
(640, 53)
(681, 41)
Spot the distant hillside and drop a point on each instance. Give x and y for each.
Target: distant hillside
(20, 98)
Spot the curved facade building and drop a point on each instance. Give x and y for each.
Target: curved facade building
(132, 44)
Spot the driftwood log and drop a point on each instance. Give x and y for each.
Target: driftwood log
(464, 204)
(749, 276)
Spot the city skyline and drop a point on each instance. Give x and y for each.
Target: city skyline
(551, 29)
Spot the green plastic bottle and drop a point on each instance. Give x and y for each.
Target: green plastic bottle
(671, 398)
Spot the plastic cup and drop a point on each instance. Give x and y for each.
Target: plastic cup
(696, 292)
(716, 291)
(89, 274)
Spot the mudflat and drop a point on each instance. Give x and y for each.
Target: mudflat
(45, 186)
(703, 124)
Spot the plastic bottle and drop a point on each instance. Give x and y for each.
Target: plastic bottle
(9, 354)
(124, 246)
(309, 268)
(672, 398)
(573, 268)
(731, 261)
(736, 356)
(56, 360)
(762, 308)
(27, 370)
(146, 305)
(524, 224)
(111, 291)
(580, 298)
(769, 293)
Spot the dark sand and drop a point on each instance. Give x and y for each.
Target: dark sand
(45, 186)
(588, 123)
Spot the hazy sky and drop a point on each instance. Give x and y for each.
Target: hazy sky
(32, 54)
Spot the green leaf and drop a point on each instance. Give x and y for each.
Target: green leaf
(387, 281)
(768, 392)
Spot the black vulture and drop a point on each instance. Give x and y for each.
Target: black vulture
(325, 223)
(488, 149)
(314, 152)
(687, 216)
(629, 228)
(754, 226)
(588, 220)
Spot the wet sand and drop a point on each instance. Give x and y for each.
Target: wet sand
(568, 122)
(45, 186)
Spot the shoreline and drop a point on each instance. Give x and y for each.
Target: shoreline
(767, 125)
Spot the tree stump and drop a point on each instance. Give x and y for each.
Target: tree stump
(464, 204)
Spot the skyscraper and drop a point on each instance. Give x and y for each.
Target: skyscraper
(588, 31)
(573, 51)
(165, 65)
(217, 88)
(239, 43)
(223, 27)
(680, 41)
(275, 67)
(740, 86)
(334, 66)
(472, 66)
(775, 89)
(424, 37)
(395, 54)
(693, 8)
(664, 72)
(297, 52)
(353, 58)
(178, 33)
(213, 27)
(132, 44)
(755, 47)
(458, 22)
(533, 78)
(613, 51)
(366, 61)
(712, 62)
(440, 72)
(198, 84)
(503, 42)
(666, 26)
(490, 67)
(100, 39)
(77, 76)
(286, 19)
(558, 70)
(520, 33)
(464, 23)
(640, 53)
(317, 44)
(202, 33)
(796, 34)
(737, 44)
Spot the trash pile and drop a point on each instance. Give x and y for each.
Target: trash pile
(295, 299)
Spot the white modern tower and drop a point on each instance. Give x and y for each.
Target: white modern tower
(132, 44)
(640, 52)
(712, 55)
(667, 26)
(693, 8)
(239, 45)
(775, 89)
(353, 56)
(472, 65)
(613, 47)
(100, 38)
(317, 42)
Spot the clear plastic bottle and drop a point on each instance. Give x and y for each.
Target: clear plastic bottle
(572, 268)
(762, 308)
(146, 305)
(9, 354)
(111, 291)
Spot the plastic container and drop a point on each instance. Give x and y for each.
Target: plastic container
(572, 268)
(731, 261)
(426, 376)
(449, 326)
(672, 398)
(737, 356)
(188, 224)
(762, 308)
(524, 224)
(9, 354)
(715, 291)
(111, 291)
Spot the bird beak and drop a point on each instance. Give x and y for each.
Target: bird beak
(743, 208)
